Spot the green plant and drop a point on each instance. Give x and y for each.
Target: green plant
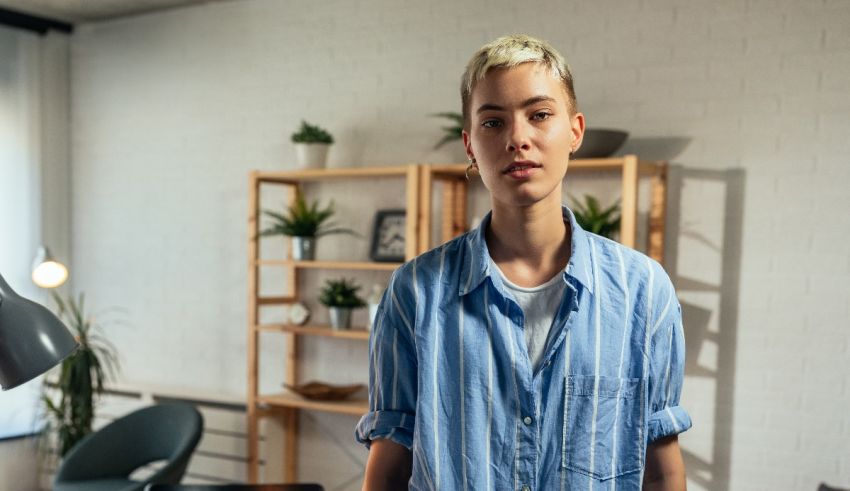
(302, 220)
(81, 376)
(341, 293)
(309, 133)
(453, 132)
(591, 217)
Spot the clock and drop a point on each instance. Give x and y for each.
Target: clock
(388, 236)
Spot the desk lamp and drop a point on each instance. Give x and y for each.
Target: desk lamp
(32, 339)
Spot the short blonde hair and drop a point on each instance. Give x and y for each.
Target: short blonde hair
(508, 52)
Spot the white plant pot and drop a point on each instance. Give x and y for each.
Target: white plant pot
(340, 318)
(303, 248)
(311, 155)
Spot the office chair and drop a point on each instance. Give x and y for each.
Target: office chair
(104, 460)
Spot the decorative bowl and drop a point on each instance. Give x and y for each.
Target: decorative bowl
(325, 392)
(599, 143)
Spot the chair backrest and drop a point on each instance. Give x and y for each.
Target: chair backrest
(234, 487)
(162, 432)
(824, 487)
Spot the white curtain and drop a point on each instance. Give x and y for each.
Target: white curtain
(20, 198)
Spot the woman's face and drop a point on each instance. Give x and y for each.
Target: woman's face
(521, 133)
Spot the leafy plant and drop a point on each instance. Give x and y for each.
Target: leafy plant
(81, 375)
(591, 217)
(302, 220)
(341, 293)
(453, 132)
(309, 133)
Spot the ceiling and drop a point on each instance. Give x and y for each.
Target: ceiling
(78, 11)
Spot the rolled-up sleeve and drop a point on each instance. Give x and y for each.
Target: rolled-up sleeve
(392, 369)
(667, 371)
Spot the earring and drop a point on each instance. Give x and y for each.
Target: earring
(473, 164)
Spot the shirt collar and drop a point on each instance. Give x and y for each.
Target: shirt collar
(475, 261)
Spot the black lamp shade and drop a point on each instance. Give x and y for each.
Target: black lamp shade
(32, 339)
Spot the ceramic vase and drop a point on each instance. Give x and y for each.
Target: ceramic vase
(311, 155)
(303, 248)
(340, 318)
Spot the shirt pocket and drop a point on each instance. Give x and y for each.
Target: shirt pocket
(613, 446)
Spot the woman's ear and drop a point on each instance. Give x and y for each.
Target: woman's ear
(467, 145)
(577, 124)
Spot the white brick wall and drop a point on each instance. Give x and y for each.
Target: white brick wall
(171, 110)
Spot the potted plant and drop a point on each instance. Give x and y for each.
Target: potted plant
(340, 296)
(311, 145)
(591, 217)
(304, 223)
(453, 132)
(81, 376)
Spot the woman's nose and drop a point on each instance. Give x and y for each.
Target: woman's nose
(518, 138)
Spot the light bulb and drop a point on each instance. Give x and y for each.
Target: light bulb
(49, 274)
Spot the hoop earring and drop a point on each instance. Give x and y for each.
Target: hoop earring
(472, 165)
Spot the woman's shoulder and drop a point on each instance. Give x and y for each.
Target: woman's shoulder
(618, 259)
(436, 259)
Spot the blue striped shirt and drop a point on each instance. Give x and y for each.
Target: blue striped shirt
(450, 376)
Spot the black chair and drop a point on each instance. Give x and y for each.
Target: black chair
(104, 460)
(234, 487)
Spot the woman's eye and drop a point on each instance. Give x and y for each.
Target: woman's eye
(491, 123)
(540, 116)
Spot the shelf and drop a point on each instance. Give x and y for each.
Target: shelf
(359, 265)
(324, 331)
(275, 300)
(286, 177)
(354, 407)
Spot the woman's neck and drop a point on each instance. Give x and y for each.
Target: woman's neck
(529, 244)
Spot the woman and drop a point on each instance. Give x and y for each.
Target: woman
(527, 353)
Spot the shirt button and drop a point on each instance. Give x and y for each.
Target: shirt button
(527, 420)
(547, 363)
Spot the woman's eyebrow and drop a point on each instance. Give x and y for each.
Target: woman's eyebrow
(528, 102)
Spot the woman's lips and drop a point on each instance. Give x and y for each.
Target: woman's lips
(521, 170)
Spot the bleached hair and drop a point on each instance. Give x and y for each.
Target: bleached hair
(508, 52)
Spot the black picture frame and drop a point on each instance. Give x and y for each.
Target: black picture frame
(393, 222)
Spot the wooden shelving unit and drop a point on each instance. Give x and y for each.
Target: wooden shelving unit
(286, 405)
(419, 181)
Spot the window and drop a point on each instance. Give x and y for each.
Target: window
(20, 215)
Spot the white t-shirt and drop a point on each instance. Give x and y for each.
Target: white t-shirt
(539, 305)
